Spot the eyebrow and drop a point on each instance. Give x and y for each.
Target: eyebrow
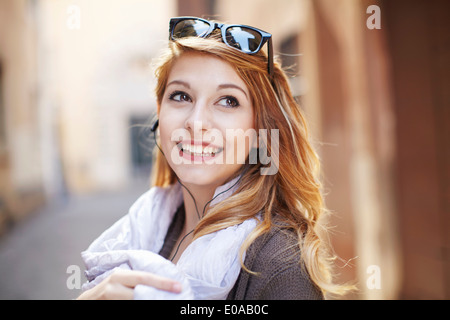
(183, 83)
(220, 87)
(232, 86)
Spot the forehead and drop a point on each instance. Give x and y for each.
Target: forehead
(201, 67)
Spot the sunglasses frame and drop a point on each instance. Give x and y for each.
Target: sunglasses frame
(265, 36)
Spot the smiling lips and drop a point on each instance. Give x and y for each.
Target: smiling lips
(196, 149)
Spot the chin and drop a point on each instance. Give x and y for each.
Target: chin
(201, 175)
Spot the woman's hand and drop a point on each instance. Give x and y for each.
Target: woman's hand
(121, 283)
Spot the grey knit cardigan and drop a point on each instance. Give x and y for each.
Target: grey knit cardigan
(274, 257)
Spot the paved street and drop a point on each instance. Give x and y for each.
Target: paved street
(35, 254)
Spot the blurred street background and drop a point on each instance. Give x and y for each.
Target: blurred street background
(76, 98)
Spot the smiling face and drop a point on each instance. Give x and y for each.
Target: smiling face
(204, 101)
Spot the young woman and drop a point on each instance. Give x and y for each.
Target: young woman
(234, 207)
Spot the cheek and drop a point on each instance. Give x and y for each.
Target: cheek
(170, 134)
(168, 122)
(166, 128)
(239, 141)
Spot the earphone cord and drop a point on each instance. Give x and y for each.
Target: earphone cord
(195, 202)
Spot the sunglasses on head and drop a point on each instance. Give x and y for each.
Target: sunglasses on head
(244, 38)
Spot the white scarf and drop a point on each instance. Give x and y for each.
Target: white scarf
(207, 269)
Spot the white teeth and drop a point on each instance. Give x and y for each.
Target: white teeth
(198, 150)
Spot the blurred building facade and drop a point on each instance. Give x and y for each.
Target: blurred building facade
(21, 185)
(373, 82)
(380, 98)
(76, 86)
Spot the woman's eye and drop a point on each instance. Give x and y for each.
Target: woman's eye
(229, 102)
(180, 96)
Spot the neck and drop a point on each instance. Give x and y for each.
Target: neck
(202, 195)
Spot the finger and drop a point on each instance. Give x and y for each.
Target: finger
(108, 290)
(131, 278)
(117, 291)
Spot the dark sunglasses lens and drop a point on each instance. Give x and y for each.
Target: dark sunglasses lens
(190, 28)
(245, 39)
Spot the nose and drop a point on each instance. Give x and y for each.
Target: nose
(199, 119)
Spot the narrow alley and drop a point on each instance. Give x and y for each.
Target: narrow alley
(35, 255)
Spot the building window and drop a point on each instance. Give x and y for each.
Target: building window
(141, 142)
(289, 54)
(290, 60)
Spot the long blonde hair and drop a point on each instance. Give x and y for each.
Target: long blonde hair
(294, 192)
